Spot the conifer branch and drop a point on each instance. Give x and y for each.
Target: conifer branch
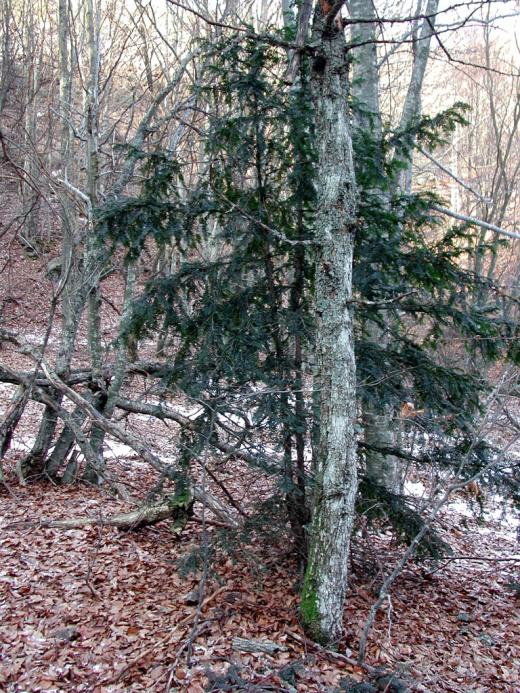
(265, 227)
(384, 302)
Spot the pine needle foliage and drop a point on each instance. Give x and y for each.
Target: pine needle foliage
(239, 308)
(381, 506)
(414, 278)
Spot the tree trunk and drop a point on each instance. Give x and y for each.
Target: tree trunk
(7, 73)
(378, 421)
(10, 421)
(82, 269)
(30, 195)
(413, 102)
(34, 462)
(98, 434)
(325, 582)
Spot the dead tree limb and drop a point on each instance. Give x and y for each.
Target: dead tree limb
(177, 508)
(164, 412)
(11, 418)
(113, 429)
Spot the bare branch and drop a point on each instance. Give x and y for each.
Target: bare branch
(208, 20)
(265, 227)
(485, 200)
(476, 222)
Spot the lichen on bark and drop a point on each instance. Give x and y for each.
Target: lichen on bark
(325, 582)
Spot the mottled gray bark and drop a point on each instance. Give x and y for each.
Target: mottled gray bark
(325, 582)
(81, 272)
(7, 60)
(10, 421)
(365, 86)
(377, 420)
(34, 462)
(71, 281)
(30, 194)
(413, 102)
(63, 446)
(411, 113)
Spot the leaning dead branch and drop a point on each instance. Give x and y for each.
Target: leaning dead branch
(164, 412)
(108, 426)
(118, 432)
(47, 378)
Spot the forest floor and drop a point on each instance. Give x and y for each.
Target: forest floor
(98, 609)
(101, 610)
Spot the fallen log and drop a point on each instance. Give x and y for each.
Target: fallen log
(142, 517)
(265, 646)
(178, 508)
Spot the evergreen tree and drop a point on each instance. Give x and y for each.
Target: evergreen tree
(242, 323)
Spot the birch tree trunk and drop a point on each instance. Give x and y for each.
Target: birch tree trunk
(325, 582)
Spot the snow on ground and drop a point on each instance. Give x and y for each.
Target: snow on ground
(497, 514)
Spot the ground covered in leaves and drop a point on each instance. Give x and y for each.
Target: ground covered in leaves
(101, 610)
(98, 609)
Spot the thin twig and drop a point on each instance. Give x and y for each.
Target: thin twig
(265, 227)
(486, 200)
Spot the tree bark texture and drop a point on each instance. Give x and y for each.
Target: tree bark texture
(413, 102)
(325, 582)
(377, 420)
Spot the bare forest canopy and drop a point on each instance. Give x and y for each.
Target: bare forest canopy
(261, 279)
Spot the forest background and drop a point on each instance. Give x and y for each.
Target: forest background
(260, 279)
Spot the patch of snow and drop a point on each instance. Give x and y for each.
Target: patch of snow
(497, 511)
(415, 488)
(189, 412)
(460, 506)
(23, 443)
(7, 389)
(228, 418)
(119, 451)
(116, 449)
(35, 339)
